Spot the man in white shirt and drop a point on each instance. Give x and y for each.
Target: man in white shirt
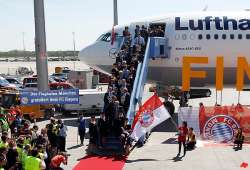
(139, 40)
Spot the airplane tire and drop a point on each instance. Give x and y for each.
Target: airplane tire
(170, 107)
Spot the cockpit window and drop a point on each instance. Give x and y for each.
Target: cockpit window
(108, 36)
(105, 37)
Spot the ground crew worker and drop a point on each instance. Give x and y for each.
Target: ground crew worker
(191, 140)
(239, 139)
(4, 125)
(27, 140)
(57, 160)
(55, 129)
(2, 161)
(32, 162)
(20, 142)
(3, 142)
(52, 132)
(25, 153)
(41, 152)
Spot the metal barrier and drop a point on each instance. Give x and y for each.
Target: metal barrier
(133, 101)
(143, 73)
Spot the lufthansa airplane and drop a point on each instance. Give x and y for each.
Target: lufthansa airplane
(197, 34)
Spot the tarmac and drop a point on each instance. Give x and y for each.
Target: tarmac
(160, 151)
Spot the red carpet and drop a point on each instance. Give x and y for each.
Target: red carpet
(101, 163)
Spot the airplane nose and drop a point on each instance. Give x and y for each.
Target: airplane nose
(97, 55)
(86, 56)
(82, 55)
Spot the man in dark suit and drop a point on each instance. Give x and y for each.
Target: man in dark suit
(102, 129)
(137, 30)
(110, 111)
(125, 99)
(144, 33)
(108, 97)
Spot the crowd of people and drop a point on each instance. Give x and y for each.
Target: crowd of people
(30, 148)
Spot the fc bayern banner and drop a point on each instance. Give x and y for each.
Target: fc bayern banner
(70, 96)
(150, 114)
(218, 123)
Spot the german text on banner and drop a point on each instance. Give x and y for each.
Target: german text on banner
(70, 96)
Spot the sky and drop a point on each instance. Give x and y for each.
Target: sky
(87, 18)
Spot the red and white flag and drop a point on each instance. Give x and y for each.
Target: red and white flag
(150, 114)
(113, 36)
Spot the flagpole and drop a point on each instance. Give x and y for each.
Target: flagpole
(221, 97)
(238, 97)
(115, 12)
(216, 97)
(172, 120)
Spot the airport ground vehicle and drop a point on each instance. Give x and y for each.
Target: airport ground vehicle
(65, 70)
(30, 86)
(60, 85)
(90, 102)
(29, 80)
(14, 81)
(5, 84)
(103, 77)
(33, 80)
(10, 98)
(81, 79)
(52, 86)
(175, 92)
(199, 92)
(59, 77)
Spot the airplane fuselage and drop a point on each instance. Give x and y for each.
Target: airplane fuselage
(202, 34)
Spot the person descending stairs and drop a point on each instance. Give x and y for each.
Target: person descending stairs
(114, 130)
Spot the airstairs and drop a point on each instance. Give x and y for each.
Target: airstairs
(156, 48)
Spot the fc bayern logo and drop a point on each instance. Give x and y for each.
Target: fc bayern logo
(220, 128)
(24, 100)
(146, 118)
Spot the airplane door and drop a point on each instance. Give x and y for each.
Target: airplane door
(159, 40)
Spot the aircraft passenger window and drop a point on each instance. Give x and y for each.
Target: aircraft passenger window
(208, 36)
(224, 36)
(200, 36)
(248, 36)
(240, 36)
(231, 36)
(216, 36)
(184, 36)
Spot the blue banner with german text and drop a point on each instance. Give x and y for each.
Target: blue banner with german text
(50, 97)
